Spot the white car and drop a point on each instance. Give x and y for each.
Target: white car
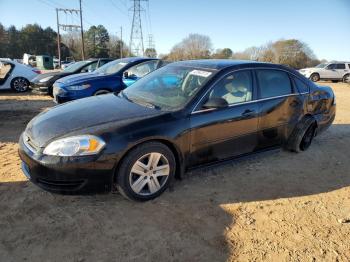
(337, 71)
(16, 76)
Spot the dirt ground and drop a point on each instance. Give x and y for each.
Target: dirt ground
(278, 206)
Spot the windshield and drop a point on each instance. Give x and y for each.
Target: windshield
(111, 67)
(75, 66)
(321, 66)
(169, 88)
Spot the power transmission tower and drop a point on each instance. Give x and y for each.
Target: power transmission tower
(67, 27)
(151, 47)
(136, 38)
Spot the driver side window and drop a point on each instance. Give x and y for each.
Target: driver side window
(142, 69)
(331, 66)
(234, 88)
(89, 68)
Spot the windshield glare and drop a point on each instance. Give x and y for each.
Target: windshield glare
(321, 66)
(75, 66)
(111, 67)
(169, 88)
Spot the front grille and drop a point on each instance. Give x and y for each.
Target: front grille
(60, 184)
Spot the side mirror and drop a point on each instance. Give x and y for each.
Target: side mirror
(126, 74)
(215, 102)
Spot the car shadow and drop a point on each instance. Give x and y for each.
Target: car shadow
(187, 223)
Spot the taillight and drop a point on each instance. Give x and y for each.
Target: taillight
(37, 71)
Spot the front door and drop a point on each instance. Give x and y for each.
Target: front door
(218, 134)
(5, 71)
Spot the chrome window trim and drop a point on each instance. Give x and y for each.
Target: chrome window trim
(246, 102)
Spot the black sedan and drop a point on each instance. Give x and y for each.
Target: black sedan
(43, 83)
(182, 116)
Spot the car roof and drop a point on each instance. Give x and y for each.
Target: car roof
(218, 64)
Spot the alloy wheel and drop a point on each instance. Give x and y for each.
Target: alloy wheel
(20, 84)
(149, 174)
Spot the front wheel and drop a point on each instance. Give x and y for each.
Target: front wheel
(146, 171)
(315, 77)
(20, 84)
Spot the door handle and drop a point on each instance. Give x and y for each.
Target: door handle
(248, 112)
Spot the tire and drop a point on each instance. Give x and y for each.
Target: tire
(346, 78)
(101, 92)
(315, 77)
(20, 84)
(146, 184)
(335, 81)
(302, 136)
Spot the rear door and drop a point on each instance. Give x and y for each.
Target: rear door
(219, 134)
(341, 70)
(280, 106)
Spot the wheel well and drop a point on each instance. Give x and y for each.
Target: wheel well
(103, 89)
(315, 121)
(171, 146)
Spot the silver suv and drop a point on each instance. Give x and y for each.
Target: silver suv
(336, 71)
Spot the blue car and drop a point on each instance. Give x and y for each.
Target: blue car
(112, 77)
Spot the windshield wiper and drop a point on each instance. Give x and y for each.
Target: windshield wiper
(147, 104)
(139, 101)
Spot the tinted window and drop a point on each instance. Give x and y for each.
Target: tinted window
(234, 88)
(273, 83)
(89, 68)
(332, 66)
(340, 66)
(301, 86)
(103, 62)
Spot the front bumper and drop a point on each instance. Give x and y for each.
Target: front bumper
(68, 175)
(61, 95)
(306, 74)
(39, 88)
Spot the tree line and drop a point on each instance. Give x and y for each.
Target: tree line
(291, 52)
(34, 39)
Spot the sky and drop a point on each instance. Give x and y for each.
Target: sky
(238, 24)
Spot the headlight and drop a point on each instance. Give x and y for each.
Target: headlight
(75, 146)
(45, 79)
(78, 87)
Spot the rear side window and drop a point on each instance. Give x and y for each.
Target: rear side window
(301, 86)
(340, 66)
(273, 83)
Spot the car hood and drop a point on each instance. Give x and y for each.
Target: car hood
(80, 78)
(42, 76)
(83, 114)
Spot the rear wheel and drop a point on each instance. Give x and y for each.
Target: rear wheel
(101, 92)
(315, 77)
(346, 78)
(302, 136)
(20, 84)
(146, 171)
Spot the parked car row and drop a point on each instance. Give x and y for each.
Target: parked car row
(43, 83)
(181, 116)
